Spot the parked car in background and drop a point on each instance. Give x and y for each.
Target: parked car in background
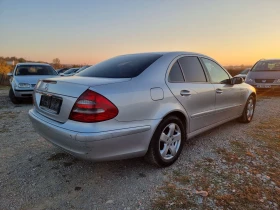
(265, 75)
(24, 78)
(69, 72)
(243, 73)
(136, 105)
(59, 71)
(81, 69)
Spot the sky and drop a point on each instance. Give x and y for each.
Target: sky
(89, 31)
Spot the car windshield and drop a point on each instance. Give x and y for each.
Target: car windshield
(271, 65)
(70, 71)
(126, 66)
(27, 70)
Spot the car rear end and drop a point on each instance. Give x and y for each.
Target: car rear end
(85, 116)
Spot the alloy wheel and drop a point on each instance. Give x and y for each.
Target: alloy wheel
(250, 109)
(170, 141)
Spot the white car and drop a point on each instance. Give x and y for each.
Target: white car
(24, 78)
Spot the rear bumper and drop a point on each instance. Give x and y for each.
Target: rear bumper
(110, 145)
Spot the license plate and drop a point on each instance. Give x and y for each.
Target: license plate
(263, 86)
(51, 103)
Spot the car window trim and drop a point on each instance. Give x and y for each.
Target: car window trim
(180, 70)
(177, 60)
(200, 65)
(208, 71)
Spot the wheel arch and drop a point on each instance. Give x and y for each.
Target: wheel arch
(182, 116)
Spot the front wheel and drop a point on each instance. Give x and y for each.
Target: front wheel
(249, 110)
(167, 142)
(13, 98)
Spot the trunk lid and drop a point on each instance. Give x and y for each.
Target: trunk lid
(66, 90)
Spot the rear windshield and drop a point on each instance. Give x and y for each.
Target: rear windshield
(272, 65)
(34, 70)
(126, 66)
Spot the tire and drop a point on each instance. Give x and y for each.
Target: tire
(249, 110)
(13, 98)
(165, 153)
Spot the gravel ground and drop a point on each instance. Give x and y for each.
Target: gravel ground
(36, 175)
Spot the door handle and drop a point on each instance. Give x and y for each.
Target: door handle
(185, 93)
(219, 91)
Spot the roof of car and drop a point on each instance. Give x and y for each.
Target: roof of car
(30, 63)
(171, 53)
(271, 59)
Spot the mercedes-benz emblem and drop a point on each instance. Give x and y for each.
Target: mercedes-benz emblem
(46, 87)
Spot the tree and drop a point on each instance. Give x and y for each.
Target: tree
(56, 63)
(4, 67)
(21, 60)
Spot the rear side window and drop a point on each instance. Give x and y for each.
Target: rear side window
(192, 69)
(175, 74)
(126, 66)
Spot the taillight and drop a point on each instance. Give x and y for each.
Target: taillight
(93, 107)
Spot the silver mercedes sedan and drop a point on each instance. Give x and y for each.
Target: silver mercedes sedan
(136, 105)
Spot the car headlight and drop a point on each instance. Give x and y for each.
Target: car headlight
(277, 81)
(249, 80)
(24, 85)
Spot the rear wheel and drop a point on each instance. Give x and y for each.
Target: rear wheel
(167, 142)
(249, 110)
(13, 98)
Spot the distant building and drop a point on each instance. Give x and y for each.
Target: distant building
(11, 63)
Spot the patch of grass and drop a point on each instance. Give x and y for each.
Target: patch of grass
(3, 130)
(8, 114)
(248, 176)
(230, 157)
(268, 132)
(4, 87)
(172, 198)
(182, 179)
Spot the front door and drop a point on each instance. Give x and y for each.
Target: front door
(228, 97)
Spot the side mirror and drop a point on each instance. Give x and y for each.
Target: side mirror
(237, 80)
(10, 74)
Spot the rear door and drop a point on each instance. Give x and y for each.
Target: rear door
(228, 97)
(189, 84)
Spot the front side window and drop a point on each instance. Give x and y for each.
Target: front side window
(175, 74)
(29, 70)
(126, 66)
(192, 69)
(216, 72)
(271, 65)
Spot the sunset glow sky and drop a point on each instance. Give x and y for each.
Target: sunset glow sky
(86, 31)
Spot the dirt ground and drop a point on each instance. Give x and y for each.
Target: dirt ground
(234, 166)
